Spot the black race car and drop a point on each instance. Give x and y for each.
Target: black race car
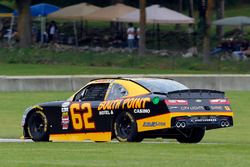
(129, 110)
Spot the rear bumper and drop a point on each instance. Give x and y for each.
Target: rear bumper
(209, 122)
(168, 120)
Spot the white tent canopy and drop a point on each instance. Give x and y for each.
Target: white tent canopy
(157, 14)
(233, 21)
(74, 12)
(110, 13)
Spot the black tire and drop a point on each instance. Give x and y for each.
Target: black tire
(194, 136)
(38, 126)
(125, 128)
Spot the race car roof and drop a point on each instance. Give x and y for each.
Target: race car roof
(108, 80)
(150, 84)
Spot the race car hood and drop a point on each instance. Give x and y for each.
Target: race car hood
(53, 104)
(41, 106)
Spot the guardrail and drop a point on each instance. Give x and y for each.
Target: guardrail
(75, 82)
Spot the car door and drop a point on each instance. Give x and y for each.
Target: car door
(84, 115)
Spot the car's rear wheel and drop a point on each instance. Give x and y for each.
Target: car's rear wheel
(38, 126)
(195, 135)
(125, 128)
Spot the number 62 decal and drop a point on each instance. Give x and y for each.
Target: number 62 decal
(81, 115)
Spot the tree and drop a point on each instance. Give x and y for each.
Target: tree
(191, 8)
(24, 22)
(142, 41)
(220, 5)
(207, 28)
(180, 9)
(180, 6)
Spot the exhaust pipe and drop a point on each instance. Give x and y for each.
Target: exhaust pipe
(223, 124)
(183, 124)
(178, 124)
(227, 123)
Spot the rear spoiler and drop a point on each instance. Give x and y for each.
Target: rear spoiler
(193, 93)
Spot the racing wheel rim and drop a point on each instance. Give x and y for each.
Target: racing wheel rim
(38, 126)
(125, 128)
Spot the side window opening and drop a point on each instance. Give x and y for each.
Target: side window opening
(94, 92)
(117, 91)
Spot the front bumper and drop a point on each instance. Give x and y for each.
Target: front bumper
(209, 122)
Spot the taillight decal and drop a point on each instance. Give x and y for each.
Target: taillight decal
(176, 102)
(219, 101)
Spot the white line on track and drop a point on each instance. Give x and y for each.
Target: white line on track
(14, 141)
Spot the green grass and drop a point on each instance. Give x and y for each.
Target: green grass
(43, 69)
(32, 61)
(223, 147)
(242, 10)
(122, 155)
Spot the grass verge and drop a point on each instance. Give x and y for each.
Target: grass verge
(33, 61)
(122, 155)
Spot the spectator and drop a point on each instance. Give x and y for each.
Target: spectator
(239, 55)
(224, 46)
(245, 44)
(131, 36)
(137, 39)
(243, 52)
(52, 31)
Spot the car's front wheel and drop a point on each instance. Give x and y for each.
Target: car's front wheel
(194, 135)
(125, 128)
(38, 126)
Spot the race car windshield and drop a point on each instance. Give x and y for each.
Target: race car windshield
(161, 85)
